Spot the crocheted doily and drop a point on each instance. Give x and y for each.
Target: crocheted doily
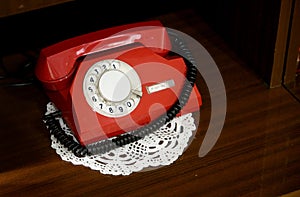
(157, 149)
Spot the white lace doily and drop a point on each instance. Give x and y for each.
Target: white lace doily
(160, 148)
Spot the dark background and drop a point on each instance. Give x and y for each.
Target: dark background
(39, 28)
(249, 28)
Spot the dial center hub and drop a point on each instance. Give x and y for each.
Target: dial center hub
(114, 85)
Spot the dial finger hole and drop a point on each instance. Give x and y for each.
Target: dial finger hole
(92, 79)
(115, 65)
(129, 104)
(91, 89)
(104, 65)
(97, 70)
(121, 109)
(111, 109)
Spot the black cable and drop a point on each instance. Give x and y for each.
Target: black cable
(55, 129)
(23, 76)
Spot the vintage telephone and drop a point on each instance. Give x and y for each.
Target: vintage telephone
(114, 86)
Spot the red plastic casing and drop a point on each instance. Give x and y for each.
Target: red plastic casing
(61, 69)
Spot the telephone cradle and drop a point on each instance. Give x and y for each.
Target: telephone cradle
(114, 86)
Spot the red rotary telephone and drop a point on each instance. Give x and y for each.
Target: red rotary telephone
(114, 83)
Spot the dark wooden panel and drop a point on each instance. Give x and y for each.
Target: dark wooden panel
(292, 74)
(250, 28)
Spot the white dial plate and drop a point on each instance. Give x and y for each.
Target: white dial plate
(112, 88)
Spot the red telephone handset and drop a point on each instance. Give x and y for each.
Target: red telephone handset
(111, 82)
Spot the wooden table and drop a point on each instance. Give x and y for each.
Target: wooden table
(257, 153)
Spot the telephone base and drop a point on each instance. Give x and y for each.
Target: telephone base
(89, 120)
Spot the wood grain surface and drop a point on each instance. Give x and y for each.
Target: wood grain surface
(257, 153)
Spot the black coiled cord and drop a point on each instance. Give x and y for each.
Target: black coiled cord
(52, 123)
(135, 135)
